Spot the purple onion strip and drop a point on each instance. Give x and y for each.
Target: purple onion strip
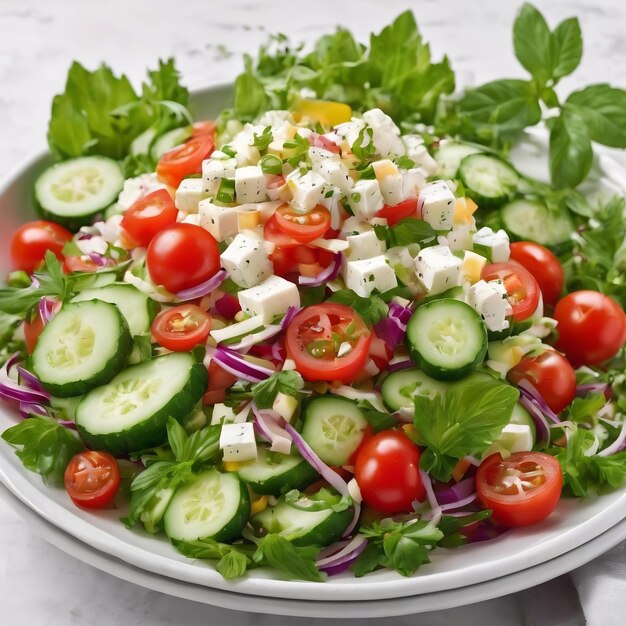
(528, 390)
(342, 560)
(399, 365)
(459, 504)
(456, 492)
(583, 390)
(203, 288)
(435, 509)
(618, 445)
(266, 333)
(329, 273)
(543, 428)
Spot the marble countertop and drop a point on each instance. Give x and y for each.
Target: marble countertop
(38, 41)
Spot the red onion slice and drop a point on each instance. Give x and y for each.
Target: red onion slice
(266, 333)
(11, 389)
(203, 288)
(583, 390)
(330, 273)
(48, 308)
(435, 509)
(528, 390)
(459, 491)
(267, 425)
(344, 558)
(459, 504)
(543, 428)
(618, 445)
(235, 364)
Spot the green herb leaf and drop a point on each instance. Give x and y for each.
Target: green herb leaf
(378, 420)
(571, 153)
(233, 564)
(406, 232)
(294, 563)
(288, 382)
(532, 43)
(567, 48)
(371, 310)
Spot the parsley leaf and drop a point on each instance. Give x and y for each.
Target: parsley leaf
(406, 232)
(288, 382)
(293, 562)
(9, 342)
(371, 310)
(232, 560)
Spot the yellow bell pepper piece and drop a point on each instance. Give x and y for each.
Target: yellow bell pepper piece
(463, 210)
(231, 466)
(256, 506)
(326, 112)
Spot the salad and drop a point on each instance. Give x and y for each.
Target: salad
(333, 329)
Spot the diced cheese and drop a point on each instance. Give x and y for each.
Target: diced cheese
(513, 438)
(417, 151)
(330, 200)
(384, 168)
(248, 217)
(464, 209)
(364, 246)
(366, 199)
(460, 237)
(223, 414)
(391, 189)
(137, 188)
(246, 261)
(349, 132)
(190, 218)
(472, 266)
(238, 442)
(489, 300)
(355, 225)
(220, 221)
(329, 166)
(412, 181)
(285, 405)
(307, 190)
(438, 269)
(189, 194)
(213, 170)
(275, 118)
(386, 134)
(269, 299)
(438, 204)
(495, 246)
(250, 184)
(365, 276)
(332, 245)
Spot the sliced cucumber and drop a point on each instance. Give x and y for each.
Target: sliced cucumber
(531, 220)
(399, 388)
(169, 140)
(303, 526)
(138, 308)
(84, 345)
(74, 191)
(210, 506)
(521, 416)
(446, 338)
(334, 427)
(141, 144)
(130, 413)
(488, 180)
(449, 156)
(91, 280)
(289, 471)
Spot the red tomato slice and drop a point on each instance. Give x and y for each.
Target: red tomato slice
(521, 287)
(318, 334)
(543, 265)
(31, 241)
(397, 212)
(304, 227)
(203, 128)
(32, 330)
(78, 264)
(92, 479)
(522, 489)
(219, 381)
(150, 215)
(181, 328)
(184, 160)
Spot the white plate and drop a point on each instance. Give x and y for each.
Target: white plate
(573, 523)
(364, 609)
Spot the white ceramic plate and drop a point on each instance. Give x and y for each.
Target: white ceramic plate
(573, 524)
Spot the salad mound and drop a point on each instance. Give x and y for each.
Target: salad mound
(333, 329)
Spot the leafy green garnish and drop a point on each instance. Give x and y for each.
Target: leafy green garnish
(9, 342)
(288, 382)
(406, 232)
(232, 560)
(371, 310)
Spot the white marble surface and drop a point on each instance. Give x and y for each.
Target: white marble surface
(39, 39)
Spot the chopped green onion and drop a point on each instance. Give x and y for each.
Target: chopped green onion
(271, 164)
(367, 173)
(229, 151)
(405, 163)
(226, 191)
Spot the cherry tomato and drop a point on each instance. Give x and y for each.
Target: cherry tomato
(282, 257)
(522, 489)
(32, 330)
(551, 375)
(521, 287)
(184, 160)
(79, 264)
(92, 479)
(592, 327)
(543, 265)
(394, 214)
(304, 227)
(328, 341)
(182, 256)
(219, 381)
(387, 472)
(31, 241)
(149, 215)
(203, 128)
(181, 328)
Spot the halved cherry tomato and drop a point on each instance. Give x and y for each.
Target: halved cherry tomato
(397, 212)
(282, 257)
(328, 341)
(92, 479)
(304, 227)
(592, 327)
(219, 381)
(543, 265)
(181, 328)
(203, 128)
(31, 241)
(32, 330)
(79, 264)
(522, 489)
(184, 160)
(387, 472)
(551, 375)
(521, 287)
(182, 256)
(149, 215)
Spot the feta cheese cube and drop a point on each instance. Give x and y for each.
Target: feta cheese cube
(365, 276)
(355, 225)
(250, 184)
(391, 189)
(365, 199)
(438, 205)
(438, 269)
(384, 168)
(349, 132)
(460, 237)
(472, 266)
(220, 221)
(329, 166)
(223, 414)
(270, 299)
(364, 246)
(213, 170)
(386, 134)
(246, 261)
(307, 190)
(513, 438)
(285, 405)
(489, 300)
(238, 442)
(412, 181)
(495, 246)
(189, 194)
(417, 151)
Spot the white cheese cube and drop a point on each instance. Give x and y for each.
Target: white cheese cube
(250, 184)
(213, 170)
(495, 246)
(270, 299)
(245, 153)
(438, 269)
(513, 438)
(412, 181)
(364, 246)
(220, 221)
(246, 261)
(391, 189)
(329, 166)
(136, 188)
(307, 190)
(331, 200)
(437, 203)
(460, 237)
(355, 225)
(365, 276)
(238, 442)
(189, 194)
(349, 132)
(417, 151)
(366, 199)
(386, 134)
(275, 118)
(489, 300)
(223, 414)
(384, 168)
(472, 266)
(285, 405)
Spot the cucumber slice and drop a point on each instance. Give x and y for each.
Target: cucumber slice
(449, 156)
(317, 526)
(74, 191)
(290, 471)
(488, 180)
(334, 427)
(446, 338)
(84, 345)
(130, 413)
(399, 388)
(141, 144)
(169, 140)
(211, 506)
(521, 416)
(530, 220)
(91, 280)
(138, 308)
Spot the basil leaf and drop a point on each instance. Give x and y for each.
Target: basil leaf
(371, 310)
(567, 48)
(233, 564)
(405, 232)
(532, 43)
(177, 438)
(288, 382)
(571, 153)
(295, 563)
